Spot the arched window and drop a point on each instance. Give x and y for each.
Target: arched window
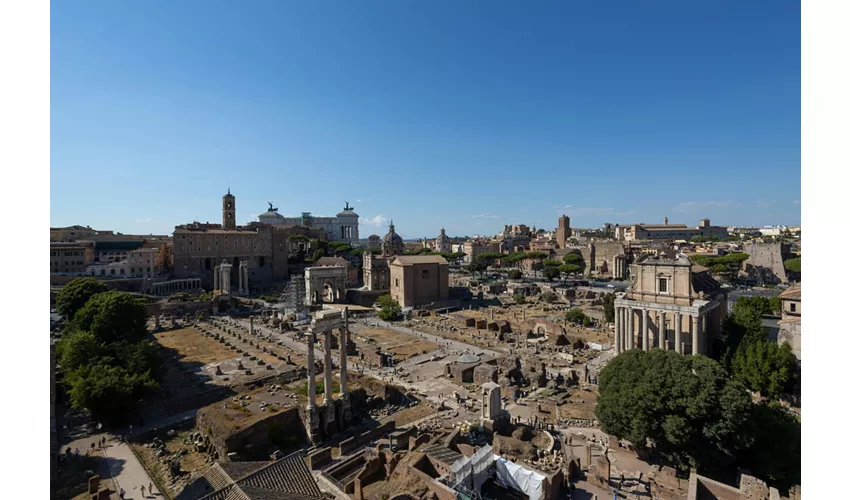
(262, 262)
(207, 264)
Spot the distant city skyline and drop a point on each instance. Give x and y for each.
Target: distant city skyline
(506, 114)
(380, 224)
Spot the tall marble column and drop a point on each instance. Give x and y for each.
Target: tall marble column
(329, 374)
(216, 272)
(645, 329)
(662, 330)
(696, 348)
(678, 335)
(630, 330)
(617, 330)
(343, 356)
(311, 370)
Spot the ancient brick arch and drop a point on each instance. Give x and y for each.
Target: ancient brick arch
(540, 326)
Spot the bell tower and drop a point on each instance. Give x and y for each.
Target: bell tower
(228, 211)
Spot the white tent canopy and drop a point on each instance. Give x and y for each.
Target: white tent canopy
(516, 477)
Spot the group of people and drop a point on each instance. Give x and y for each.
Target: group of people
(121, 491)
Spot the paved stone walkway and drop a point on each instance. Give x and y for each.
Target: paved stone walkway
(127, 472)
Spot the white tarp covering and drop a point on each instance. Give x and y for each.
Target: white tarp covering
(462, 472)
(514, 476)
(482, 462)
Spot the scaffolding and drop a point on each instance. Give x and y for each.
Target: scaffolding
(292, 297)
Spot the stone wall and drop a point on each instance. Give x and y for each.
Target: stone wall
(251, 442)
(766, 262)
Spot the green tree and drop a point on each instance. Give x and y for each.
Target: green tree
(551, 263)
(767, 368)
(108, 392)
(775, 304)
(743, 327)
(342, 249)
(548, 297)
(685, 405)
(567, 269)
(793, 265)
(775, 454)
(514, 274)
(577, 316)
(551, 273)
(113, 317)
(573, 258)
(390, 308)
(520, 298)
(608, 307)
(75, 294)
(78, 348)
(719, 269)
(477, 267)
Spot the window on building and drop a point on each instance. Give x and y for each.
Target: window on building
(793, 307)
(262, 262)
(396, 282)
(663, 285)
(425, 274)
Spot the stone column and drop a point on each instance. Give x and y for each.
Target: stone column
(645, 329)
(630, 328)
(311, 371)
(329, 375)
(662, 330)
(678, 334)
(703, 348)
(343, 356)
(156, 321)
(225, 278)
(251, 325)
(696, 346)
(617, 330)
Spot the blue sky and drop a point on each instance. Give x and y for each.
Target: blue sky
(468, 115)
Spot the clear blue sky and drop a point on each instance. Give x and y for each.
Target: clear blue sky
(463, 114)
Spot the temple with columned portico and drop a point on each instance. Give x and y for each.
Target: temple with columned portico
(671, 304)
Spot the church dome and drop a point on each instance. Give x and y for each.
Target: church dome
(442, 237)
(392, 237)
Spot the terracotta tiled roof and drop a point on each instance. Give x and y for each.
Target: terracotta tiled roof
(289, 474)
(332, 261)
(409, 260)
(238, 470)
(795, 292)
(287, 478)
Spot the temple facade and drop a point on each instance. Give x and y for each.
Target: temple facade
(671, 304)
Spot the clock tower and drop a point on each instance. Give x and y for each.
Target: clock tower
(228, 211)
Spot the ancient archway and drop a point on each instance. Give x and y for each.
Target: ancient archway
(325, 284)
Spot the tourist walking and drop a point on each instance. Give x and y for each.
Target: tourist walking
(143, 492)
(121, 493)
